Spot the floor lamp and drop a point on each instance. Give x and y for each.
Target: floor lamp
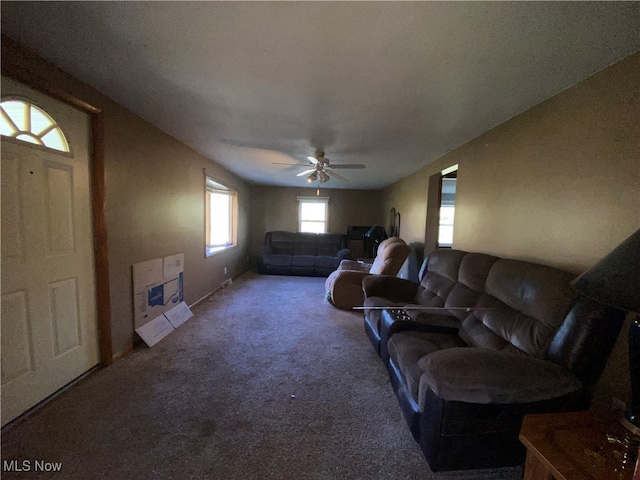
(615, 281)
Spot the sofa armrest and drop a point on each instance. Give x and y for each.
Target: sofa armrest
(344, 288)
(479, 375)
(259, 258)
(396, 320)
(398, 290)
(264, 250)
(343, 254)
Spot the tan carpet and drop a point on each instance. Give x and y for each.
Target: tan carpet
(266, 381)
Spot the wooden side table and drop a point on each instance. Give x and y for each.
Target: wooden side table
(574, 446)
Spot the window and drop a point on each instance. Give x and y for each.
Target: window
(313, 214)
(447, 206)
(26, 122)
(220, 211)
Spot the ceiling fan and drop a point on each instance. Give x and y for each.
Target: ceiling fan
(320, 168)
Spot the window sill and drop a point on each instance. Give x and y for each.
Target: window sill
(213, 251)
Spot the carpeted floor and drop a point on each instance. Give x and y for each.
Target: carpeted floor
(266, 381)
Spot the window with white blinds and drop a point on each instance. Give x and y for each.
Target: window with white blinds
(313, 214)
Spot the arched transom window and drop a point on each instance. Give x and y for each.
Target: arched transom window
(24, 121)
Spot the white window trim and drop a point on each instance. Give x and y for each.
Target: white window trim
(213, 186)
(446, 203)
(448, 170)
(325, 200)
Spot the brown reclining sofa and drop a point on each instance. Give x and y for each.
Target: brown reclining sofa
(465, 378)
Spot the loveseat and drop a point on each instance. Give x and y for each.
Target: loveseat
(505, 338)
(298, 253)
(344, 285)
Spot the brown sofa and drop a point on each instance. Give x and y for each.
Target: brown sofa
(344, 285)
(465, 379)
(301, 253)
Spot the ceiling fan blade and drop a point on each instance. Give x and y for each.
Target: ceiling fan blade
(313, 160)
(335, 175)
(290, 164)
(347, 165)
(311, 170)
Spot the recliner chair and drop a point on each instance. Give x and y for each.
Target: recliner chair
(344, 285)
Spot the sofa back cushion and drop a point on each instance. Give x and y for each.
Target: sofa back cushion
(306, 243)
(441, 275)
(472, 276)
(391, 254)
(329, 244)
(281, 243)
(528, 302)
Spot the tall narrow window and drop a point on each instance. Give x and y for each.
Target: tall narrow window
(447, 207)
(26, 122)
(220, 211)
(313, 214)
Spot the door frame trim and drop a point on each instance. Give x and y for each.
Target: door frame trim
(14, 66)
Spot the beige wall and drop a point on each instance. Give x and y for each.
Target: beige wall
(558, 184)
(154, 203)
(276, 208)
(155, 207)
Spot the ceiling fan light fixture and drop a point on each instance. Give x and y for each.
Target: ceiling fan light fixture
(313, 177)
(322, 177)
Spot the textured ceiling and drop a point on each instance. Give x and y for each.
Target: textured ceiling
(392, 85)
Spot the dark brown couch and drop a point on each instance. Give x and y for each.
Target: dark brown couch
(304, 254)
(465, 379)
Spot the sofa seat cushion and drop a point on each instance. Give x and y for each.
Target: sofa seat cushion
(303, 261)
(354, 265)
(303, 265)
(478, 375)
(279, 260)
(326, 264)
(408, 347)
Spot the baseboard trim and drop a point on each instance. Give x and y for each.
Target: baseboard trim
(205, 297)
(122, 353)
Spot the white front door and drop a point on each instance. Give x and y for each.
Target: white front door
(49, 326)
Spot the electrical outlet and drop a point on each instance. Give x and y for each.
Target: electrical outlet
(225, 270)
